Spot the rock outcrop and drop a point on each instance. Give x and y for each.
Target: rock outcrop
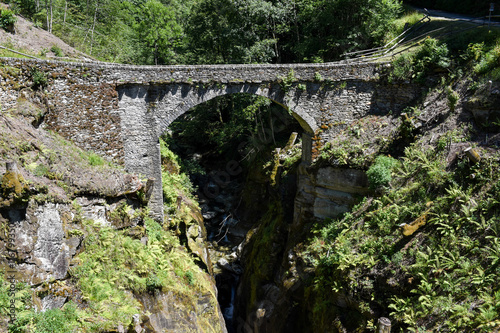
(274, 294)
(51, 193)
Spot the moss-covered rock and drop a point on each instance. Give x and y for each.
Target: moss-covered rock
(13, 188)
(12, 182)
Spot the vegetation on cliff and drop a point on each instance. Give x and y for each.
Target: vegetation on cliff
(113, 266)
(122, 262)
(426, 252)
(423, 250)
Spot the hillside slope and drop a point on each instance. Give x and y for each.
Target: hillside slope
(29, 39)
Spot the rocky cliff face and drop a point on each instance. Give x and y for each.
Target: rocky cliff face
(273, 294)
(76, 243)
(483, 105)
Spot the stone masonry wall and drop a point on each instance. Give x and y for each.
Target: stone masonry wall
(120, 74)
(81, 103)
(121, 110)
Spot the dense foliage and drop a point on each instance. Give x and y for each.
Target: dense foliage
(7, 19)
(234, 127)
(214, 31)
(380, 173)
(443, 278)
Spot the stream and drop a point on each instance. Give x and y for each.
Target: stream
(219, 203)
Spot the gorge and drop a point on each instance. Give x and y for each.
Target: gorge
(76, 217)
(121, 111)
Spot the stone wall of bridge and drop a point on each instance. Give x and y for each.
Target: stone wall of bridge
(121, 110)
(81, 103)
(84, 99)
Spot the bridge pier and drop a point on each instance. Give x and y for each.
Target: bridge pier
(141, 144)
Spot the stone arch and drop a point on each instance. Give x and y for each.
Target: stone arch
(170, 109)
(146, 111)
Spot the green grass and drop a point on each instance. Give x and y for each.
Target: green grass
(63, 320)
(57, 51)
(9, 54)
(409, 18)
(174, 182)
(92, 158)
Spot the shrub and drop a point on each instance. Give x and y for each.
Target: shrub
(453, 97)
(474, 51)
(7, 19)
(380, 173)
(174, 182)
(39, 78)
(53, 320)
(95, 159)
(286, 82)
(488, 61)
(92, 158)
(431, 56)
(402, 67)
(57, 51)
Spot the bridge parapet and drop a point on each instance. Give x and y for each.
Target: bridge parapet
(131, 74)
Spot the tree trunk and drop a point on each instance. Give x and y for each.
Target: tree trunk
(65, 11)
(47, 21)
(51, 16)
(276, 50)
(272, 126)
(156, 54)
(296, 22)
(93, 27)
(291, 141)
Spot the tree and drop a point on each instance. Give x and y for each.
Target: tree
(238, 31)
(211, 31)
(159, 31)
(333, 27)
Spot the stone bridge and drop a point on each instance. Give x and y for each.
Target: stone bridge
(121, 110)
